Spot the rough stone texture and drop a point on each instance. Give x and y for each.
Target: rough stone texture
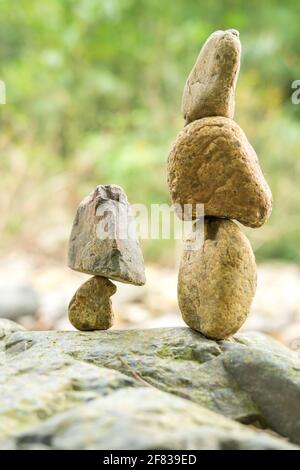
(210, 87)
(143, 419)
(90, 307)
(8, 326)
(117, 256)
(271, 372)
(212, 163)
(117, 390)
(217, 281)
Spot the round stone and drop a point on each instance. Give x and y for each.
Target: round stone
(90, 307)
(217, 281)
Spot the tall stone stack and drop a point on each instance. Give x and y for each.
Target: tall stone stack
(212, 163)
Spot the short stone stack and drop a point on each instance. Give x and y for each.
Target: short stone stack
(114, 256)
(212, 163)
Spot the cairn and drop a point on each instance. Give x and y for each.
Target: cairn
(102, 244)
(212, 163)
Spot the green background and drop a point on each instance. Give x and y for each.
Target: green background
(93, 97)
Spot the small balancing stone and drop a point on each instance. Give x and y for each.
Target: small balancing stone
(210, 87)
(217, 282)
(90, 308)
(212, 163)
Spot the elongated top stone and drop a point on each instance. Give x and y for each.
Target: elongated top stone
(210, 87)
(103, 240)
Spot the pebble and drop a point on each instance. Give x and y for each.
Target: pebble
(90, 307)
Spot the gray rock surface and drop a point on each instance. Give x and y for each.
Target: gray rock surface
(160, 388)
(8, 326)
(143, 418)
(103, 240)
(210, 87)
(276, 386)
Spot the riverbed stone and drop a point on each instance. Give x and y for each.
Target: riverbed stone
(103, 240)
(217, 280)
(210, 87)
(91, 307)
(212, 163)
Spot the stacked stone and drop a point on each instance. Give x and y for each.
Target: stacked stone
(103, 244)
(212, 163)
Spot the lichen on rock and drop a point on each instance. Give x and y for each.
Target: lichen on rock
(143, 389)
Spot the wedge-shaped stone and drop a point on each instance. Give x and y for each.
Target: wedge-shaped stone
(217, 281)
(210, 87)
(103, 240)
(212, 163)
(90, 308)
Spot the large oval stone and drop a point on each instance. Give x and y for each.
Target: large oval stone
(217, 282)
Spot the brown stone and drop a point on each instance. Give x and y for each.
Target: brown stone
(217, 282)
(212, 163)
(90, 307)
(103, 240)
(210, 87)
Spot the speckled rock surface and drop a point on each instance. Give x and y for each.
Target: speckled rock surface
(103, 240)
(210, 87)
(90, 307)
(212, 163)
(217, 281)
(143, 419)
(160, 388)
(278, 374)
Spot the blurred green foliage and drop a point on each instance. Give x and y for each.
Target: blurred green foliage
(93, 96)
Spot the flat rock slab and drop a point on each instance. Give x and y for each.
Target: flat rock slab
(142, 419)
(159, 388)
(103, 240)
